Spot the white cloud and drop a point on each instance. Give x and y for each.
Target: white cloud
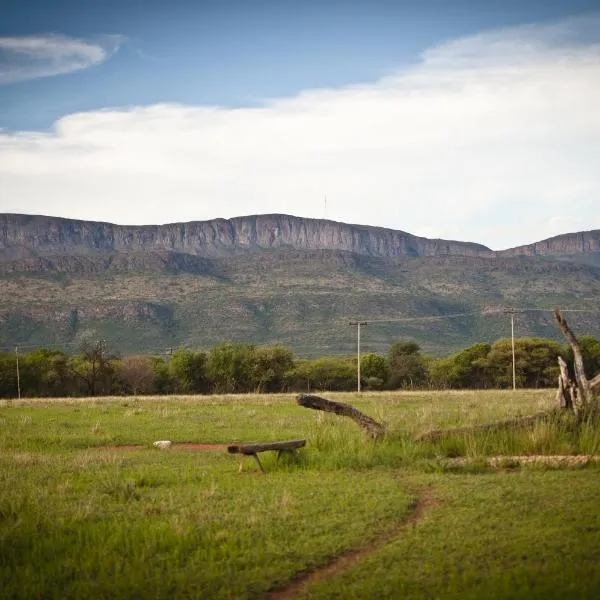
(31, 57)
(493, 138)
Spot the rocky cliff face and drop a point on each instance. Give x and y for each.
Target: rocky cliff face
(33, 236)
(23, 236)
(570, 243)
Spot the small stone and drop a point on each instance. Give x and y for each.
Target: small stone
(162, 444)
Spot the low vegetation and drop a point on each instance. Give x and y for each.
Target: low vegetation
(88, 508)
(243, 368)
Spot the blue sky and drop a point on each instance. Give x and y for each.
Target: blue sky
(470, 120)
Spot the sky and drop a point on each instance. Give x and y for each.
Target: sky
(468, 120)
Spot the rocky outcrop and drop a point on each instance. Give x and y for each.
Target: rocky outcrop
(24, 236)
(30, 237)
(569, 243)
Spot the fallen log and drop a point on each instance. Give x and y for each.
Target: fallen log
(438, 434)
(372, 427)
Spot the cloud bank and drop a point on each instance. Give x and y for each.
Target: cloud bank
(31, 57)
(493, 138)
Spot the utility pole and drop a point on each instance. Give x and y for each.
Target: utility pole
(18, 374)
(512, 312)
(358, 324)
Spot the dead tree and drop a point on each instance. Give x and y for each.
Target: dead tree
(574, 396)
(372, 427)
(577, 396)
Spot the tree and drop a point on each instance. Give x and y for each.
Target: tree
(467, 369)
(373, 370)
(590, 352)
(332, 373)
(93, 367)
(535, 362)
(271, 363)
(189, 372)
(45, 373)
(8, 375)
(406, 365)
(231, 368)
(298, 377)
(163, 378)
(137, 374)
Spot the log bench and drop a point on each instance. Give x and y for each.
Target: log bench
(253, 449)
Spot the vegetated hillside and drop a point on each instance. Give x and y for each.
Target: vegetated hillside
(275, 278)
(148, 302)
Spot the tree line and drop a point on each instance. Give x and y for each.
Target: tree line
(243, 368)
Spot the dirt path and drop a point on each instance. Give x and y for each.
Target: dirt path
(189, 446)
(347, 560)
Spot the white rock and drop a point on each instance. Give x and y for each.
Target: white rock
(162, 444)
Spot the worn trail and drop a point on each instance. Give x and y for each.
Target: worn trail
(347, 560)
(190, 446)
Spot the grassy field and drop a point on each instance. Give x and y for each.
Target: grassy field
(89, 509)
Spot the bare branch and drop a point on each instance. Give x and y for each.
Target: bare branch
(372, 427)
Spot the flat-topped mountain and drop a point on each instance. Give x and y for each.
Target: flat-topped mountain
(581, 242)
(276, 278)
(24, 235)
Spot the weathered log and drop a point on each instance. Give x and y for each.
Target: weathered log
(372, 427)
(585, 395)
(254, 448)
(438, 434)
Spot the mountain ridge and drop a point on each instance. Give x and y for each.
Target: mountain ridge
(23, 236)
(153, 287)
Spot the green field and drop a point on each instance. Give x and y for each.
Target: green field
(89, 509)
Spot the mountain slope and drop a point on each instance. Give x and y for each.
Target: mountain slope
(60, 279)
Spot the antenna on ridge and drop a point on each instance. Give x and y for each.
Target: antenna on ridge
(325, 215)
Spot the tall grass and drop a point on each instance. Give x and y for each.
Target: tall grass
(82, 516)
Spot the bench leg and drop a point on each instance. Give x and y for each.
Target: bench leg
(291, 452)
(259, 463)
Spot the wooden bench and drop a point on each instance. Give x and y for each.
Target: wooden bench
(253, 449)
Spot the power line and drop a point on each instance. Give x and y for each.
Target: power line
(481, 313)
(405, 319)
